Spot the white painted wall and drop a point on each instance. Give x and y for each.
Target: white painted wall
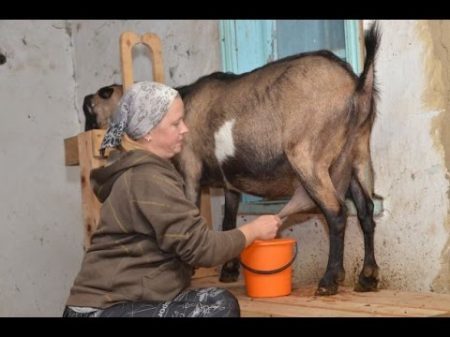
(51, 66)
(410, 168)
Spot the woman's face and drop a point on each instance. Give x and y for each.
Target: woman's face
(166, 138)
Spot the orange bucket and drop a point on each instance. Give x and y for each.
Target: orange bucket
(268, 267)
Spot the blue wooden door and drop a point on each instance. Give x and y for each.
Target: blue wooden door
(248, 44)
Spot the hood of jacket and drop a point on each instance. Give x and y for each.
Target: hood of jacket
(103, 178)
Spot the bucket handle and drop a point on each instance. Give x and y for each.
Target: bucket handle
(274, 271)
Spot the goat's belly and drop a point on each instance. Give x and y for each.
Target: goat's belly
(267, 187)
(271, 177)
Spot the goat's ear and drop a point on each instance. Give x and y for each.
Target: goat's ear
(106, 92)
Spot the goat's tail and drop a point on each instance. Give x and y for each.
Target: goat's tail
(366, 89)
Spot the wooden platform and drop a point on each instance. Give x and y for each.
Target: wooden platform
(347, 303)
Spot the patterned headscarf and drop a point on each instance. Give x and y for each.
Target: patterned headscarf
(141, 108)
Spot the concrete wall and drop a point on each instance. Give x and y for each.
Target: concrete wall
(40, 211)
(408, 155)
(190, 49)
(50, 66)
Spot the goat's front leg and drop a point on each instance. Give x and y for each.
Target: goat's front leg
(230, 270)
(191, 169)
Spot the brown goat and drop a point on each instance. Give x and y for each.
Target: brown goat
(298, 127)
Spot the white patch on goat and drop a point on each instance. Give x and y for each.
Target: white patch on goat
(224, 141)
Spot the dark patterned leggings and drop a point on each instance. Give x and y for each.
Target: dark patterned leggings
(202, 302)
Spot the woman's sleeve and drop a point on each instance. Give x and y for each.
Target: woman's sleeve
(178, 225)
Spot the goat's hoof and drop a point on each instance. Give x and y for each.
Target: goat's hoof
(229, 272)
(228, 277)
(340, 277)
(368, 279)
(366, 284)
(326, 291)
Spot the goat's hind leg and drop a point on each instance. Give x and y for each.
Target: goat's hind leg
(230, 270)
(368, 278)
(318, 184)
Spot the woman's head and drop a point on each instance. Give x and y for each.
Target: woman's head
(151, 114)
(166, 138)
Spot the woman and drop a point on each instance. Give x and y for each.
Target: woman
(150, 236)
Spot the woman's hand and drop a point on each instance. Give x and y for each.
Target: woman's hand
(264, 227)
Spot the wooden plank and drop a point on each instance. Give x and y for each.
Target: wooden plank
(205, 206)
(236, 288)
(423, 300)
(384, 302)
(347, 303)
(127, 42)
(252, 308)
(205, 211)
(206, 273)
(347, 307)
(153, 42)
(90, 204)
(71, 151)
(97, 138)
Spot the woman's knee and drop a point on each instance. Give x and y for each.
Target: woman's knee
(229, 301)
